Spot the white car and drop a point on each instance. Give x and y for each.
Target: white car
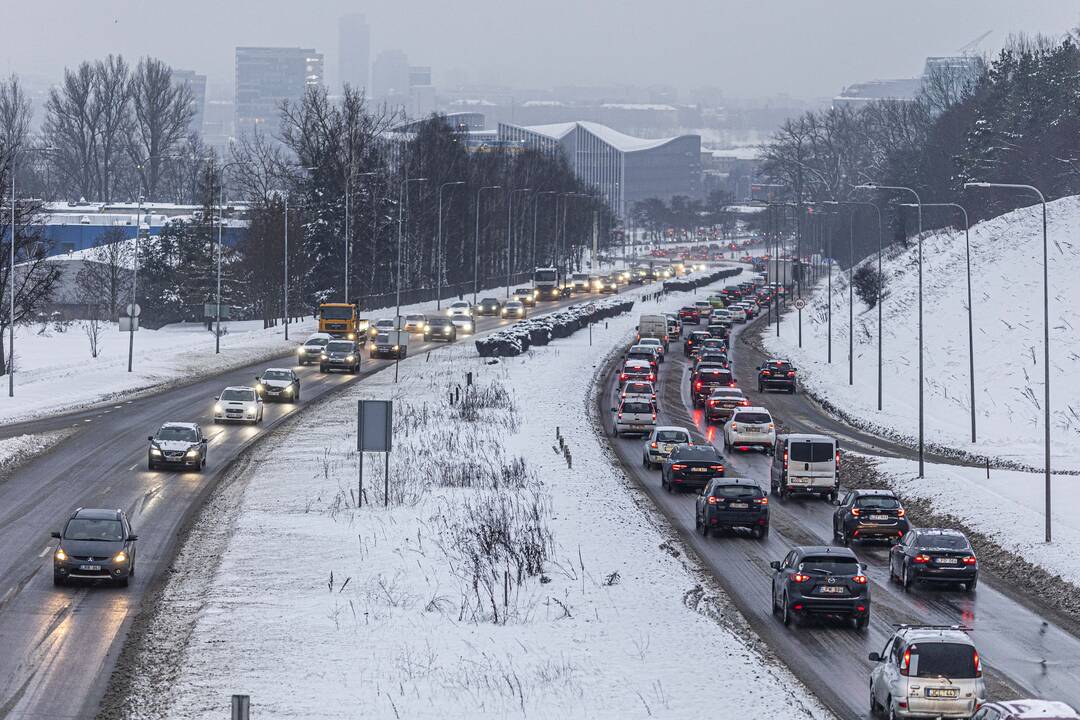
(461, 307)
(750, 427)
(279, 385)
(461, 315)
(634, 416)
(661, 442)
(311, 349)
(240, 404)
(654, 342)
(738, 314)
(639, 390)
(927, 672)
(723, 315)
(383, 325)
(415, 323)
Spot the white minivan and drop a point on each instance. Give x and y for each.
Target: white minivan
(804, 463)
(634, 415)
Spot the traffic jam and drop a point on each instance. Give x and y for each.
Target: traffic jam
(676, 403)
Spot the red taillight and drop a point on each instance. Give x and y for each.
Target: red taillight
(762, 501)
(921, 559)
(697, 385)
(765, 372)
(970, 560)
(712, 403)
(906, 662)
(837, 459)
(745, 403)
(712, 500)
(731, 384)
(623, 376)
(856, 511)
(785, 459)
(652, 377)
(654, 417)
(978, 664)
(678, 466)
(799, 577)
(791, 373)
(717, 468)
(859, 579)
(652, 444)
(901, 512)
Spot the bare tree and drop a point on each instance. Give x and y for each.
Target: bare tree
(105, 278)
(72, 125)
(15, 115)
(162, 111)
(113, 96)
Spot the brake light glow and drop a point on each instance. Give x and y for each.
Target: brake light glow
(731, 384)
(837, 459)
(762, 501)
(791, 373)
(718, 468)
(712, 500)
(978, 664)
(785, 459)
(969, 560)
(856, 511)
(678, 466)
(859, 579)
(712, 403)
(654, 417)
(799, 577)
(901, 512)
(697, 385)
(921, 559)
(905, 664)
(623, 376)
(652, 444)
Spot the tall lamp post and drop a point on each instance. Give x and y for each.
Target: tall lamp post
(918, 203)
(134, 282)
(509, 233)
(11, 292)
(397, 281)
(476, 244)
(439, 253)
(536, 210)
(1046, 330)
(221, 230)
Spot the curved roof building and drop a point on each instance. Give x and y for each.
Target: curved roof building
(623, 168)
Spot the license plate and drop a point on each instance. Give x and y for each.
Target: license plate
(738, 506)
(798, 481)
(832, 590)
(877, 517)
(90, 567)
(946, 561)
(700, 469)
(942, 692)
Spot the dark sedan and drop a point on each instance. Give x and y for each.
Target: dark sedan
(729, 503)
(489, 306)
(440, 328)
(869, 515)
(776, 375)
(693, 341)
(691, 466)
(820, 581)
(95, 545)
(177, 444)
(278, 385)
(934, 555)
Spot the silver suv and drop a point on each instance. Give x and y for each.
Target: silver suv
(927, 671)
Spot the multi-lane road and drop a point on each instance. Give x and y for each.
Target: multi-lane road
(1026, 654)
(59, 645)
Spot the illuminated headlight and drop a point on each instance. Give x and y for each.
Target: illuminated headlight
(260, 387)
(61, 555)
(300, 350)
(155, 452)
(289, 390)
(250, 413)
(351, 336)
(350, 358)
(120, 557)
(322, 355)
(192, 453)
(218, 409)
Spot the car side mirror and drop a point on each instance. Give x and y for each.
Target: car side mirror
(614, 410)
(132, 538)
(874, 657)
(55, 534)
(150, 438)
(256, 377)
(775, 564)
(204, 441)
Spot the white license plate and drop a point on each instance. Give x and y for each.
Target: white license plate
(942, 692)
(947, 561)
(700, 469)
(798, 481)
(90, 567)
(832, 590)
(738, 506)
(877, 517)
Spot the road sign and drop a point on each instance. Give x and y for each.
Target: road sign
(799, 303)
(375, 418)
(210, 311)
(128, 310)
(125, 323)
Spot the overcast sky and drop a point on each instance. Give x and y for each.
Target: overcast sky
(748, 48)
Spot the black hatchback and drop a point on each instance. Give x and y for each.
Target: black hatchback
(95, 545)
(934, 555)
(728, 503)
(820, 581)
(693, 340)
(489, 306)
(869, 515)
(691, 466)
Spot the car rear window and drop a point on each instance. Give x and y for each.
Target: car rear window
(672, 436)
(637, 407)
(753, 418)
(834, 564)
(707, 375)
(737, 491)
(811, 452)
(952, 660)
(638, 387)
(945, 542)
(877, 501)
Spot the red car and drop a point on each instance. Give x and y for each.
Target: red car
(690, 315)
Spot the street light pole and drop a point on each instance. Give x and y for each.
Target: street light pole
(476, 244)
(439, 253)
(134, 282)
(1046, 331)
(11, 271)
(918, 203)
(397, 282)
(509, 233)
(286, 264)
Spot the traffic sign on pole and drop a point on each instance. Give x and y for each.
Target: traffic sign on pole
(132, 310)
(799, 303)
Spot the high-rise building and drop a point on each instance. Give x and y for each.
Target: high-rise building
(268, 76)
(197, 83)
(354, 51)
(390, 77)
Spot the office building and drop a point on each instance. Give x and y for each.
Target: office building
(390, 77)
(197, 83)
(354, 52)
(268, 76)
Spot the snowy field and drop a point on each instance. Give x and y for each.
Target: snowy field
(1007, 297)
(500, 582)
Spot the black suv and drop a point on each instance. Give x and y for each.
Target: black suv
(728, 503)
(693, 340)
(489, 306)
(776, 375)
(691, 466)
(340, 355)
(95, 545)
(820, 581)
(440, 328)
(869, 514)
(704, 380)
(934, 555)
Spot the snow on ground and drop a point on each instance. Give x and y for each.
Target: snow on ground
(499, 582)
(1006, 270)
(1010, 509)
(14, 450)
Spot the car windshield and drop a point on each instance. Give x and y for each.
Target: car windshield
(337, 313)
(547, 275)
(637, 407)
(438, 322)
(489, 301)
(737, 491)
(672, 436)
(277, 375)
(753, 418)
(345, 347)
(384, 323)
(317, 342)
(809, 451)
(176, 433)
(952, 660)
(878, 501)
(238, 395)
(945, 542)
(94, 529)
(833, 565)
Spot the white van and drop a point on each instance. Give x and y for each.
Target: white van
(804, 463)
(653, 326)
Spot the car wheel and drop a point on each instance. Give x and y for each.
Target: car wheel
(785, 612)
(58, 581)
(123, 582)
(793, 390)
(772, 598)
(862, 623)
(322, 368)
(970, 587)
(875, 709)
(697, 522)
(845, 538)
(151, 466)
(905, 579)
(892, 710)
(760, 388)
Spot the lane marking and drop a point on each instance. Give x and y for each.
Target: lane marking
(44, 552)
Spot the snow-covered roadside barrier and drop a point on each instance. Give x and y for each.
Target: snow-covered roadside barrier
(499, 582)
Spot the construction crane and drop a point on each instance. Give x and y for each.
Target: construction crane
(971, 46)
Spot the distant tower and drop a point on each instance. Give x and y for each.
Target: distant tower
(268, 76)
(354, 52)
(390, 77)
